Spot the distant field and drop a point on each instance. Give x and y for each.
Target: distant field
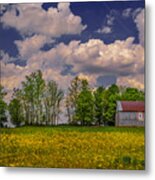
(73, 147)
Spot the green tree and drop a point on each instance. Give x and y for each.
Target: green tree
(84, 112)
(28, 89)
(15, 109)
(39, 89)
(111, 95)
(99, 105)
(3, 106)
(2, 92)
(52, 99)
(18, 95)
(33, 89)
(39, 102)
(71, 99)
(133, 94)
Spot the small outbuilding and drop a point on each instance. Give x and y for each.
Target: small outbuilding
(130, 113)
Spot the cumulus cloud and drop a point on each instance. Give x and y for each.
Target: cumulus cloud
(48, 23)
(4, 57)
(136, 81)
(110, 20)
(136, 12)
(105, 30)
(120, 58)
(11, 77)
(123, 60)
(42, 30)
(127, 12)
(91, 59)
(139, 20)
(31, 45)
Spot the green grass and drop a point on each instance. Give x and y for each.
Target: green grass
(49, 129)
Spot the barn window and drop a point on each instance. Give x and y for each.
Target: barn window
(140, 117)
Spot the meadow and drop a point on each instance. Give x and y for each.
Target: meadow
(73, 147)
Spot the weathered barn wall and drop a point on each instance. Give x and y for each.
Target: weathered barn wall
(129, 119)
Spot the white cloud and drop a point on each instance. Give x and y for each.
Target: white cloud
(93, 58)
(122, 59)
(105, 30)
(4, 57)
(127, 12)
(139, 20)
(108, 22)
(31, 45)
(136, 81)
(12, 76)
(53, 23)
(42, 30)
(111, 17)
(136, 12)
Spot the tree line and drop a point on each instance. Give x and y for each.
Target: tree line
(88, 106)
(39, 103)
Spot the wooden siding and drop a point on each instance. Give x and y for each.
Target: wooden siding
(129, 119)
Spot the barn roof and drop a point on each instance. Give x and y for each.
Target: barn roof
(131, 106)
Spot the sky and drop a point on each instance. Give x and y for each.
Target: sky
(100, 41)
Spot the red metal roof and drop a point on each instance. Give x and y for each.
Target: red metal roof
(133, 106)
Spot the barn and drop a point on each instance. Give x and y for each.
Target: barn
(130, 113)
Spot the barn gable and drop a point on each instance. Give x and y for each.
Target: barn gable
(130, 113)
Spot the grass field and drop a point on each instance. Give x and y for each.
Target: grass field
(73, 147)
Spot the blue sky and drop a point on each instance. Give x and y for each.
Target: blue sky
(101, 41)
